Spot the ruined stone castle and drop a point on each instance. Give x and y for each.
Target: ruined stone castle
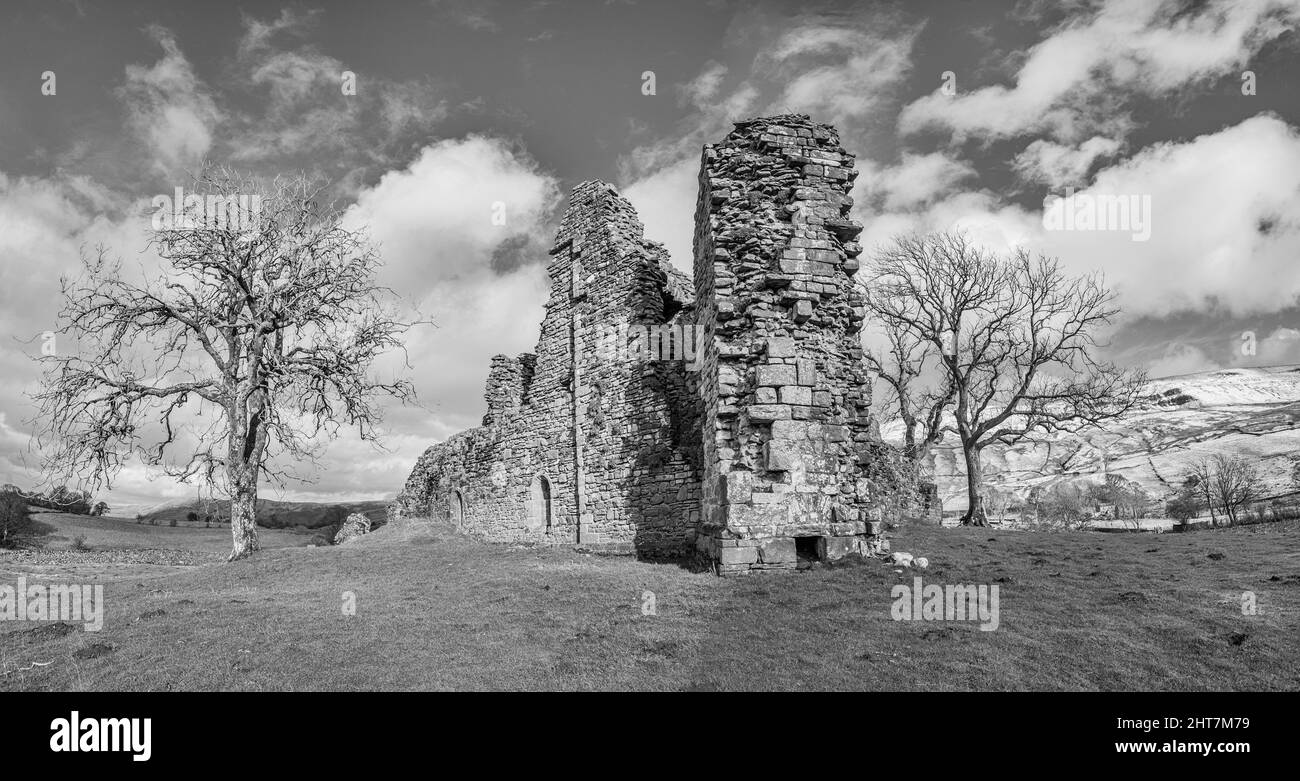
(725, 416)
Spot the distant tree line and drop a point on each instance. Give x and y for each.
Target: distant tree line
(1073, 504)
(61, 499)
(1225, 486)
(15, 521)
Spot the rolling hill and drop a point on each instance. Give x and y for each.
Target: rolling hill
(276, 515)
(1252, 412)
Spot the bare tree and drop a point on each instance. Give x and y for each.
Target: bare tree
(1201, 479)
(266, 313)
(998, 500)
(1015, 336)
(1125, 495)
(1229, 481)
(904, 367)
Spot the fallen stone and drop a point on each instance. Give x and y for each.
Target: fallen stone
(355, 526)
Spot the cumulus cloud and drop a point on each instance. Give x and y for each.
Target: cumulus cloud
(170, 108)
(917, 180)
(845, 71)
(1061, 165)
(434, 223)
(303, 113)
(1179, 359)
(839, 73)
(437, 219)
(1073, 82)
(48, 222)
(1224, 224)
(1281, 346)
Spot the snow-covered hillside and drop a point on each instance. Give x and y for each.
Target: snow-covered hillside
(1255, 412)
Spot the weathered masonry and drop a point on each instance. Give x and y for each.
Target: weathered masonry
(728, 417)
(579, 445)
(787, 430)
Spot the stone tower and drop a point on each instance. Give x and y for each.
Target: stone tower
(787, 436)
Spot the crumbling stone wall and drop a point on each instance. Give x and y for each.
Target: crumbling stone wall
(507, 385)
(582, 442)
(727, 414)
(787, 433)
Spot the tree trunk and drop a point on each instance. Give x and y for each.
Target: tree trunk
(909, 438)
(975, 513)
(243, 515)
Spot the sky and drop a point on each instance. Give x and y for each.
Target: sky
(963, 114)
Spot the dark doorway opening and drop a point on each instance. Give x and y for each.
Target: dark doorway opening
(807, 548)
(458, 509)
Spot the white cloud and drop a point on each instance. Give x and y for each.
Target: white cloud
(433, 221)
(303, 111)
(1225, 224)
(704, 88)
(864, 69)
(434, 225)
(1072, 83)
(1060, 165)
(1282, 346)
(1179, 359)
(1224, 216)
(844, 73)
(918, 179)
(46, 225)
(665, 202)
(170, 108)
(435, 217)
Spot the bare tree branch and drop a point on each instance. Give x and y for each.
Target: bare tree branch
(268, 317)
(1015, 338)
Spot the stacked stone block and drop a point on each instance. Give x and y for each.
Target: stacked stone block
(615, 441)
(507, 385)
(784, 392)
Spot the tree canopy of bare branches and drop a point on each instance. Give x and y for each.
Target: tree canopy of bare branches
(1013, 335)
(904, 367)
(254, 341)
(1229, 482)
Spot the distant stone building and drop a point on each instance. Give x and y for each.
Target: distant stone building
(727, 415)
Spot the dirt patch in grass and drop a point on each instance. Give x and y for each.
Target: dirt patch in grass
(93, 651)
(42, 632)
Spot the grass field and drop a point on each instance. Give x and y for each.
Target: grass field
(114, 533)
(437, 611)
